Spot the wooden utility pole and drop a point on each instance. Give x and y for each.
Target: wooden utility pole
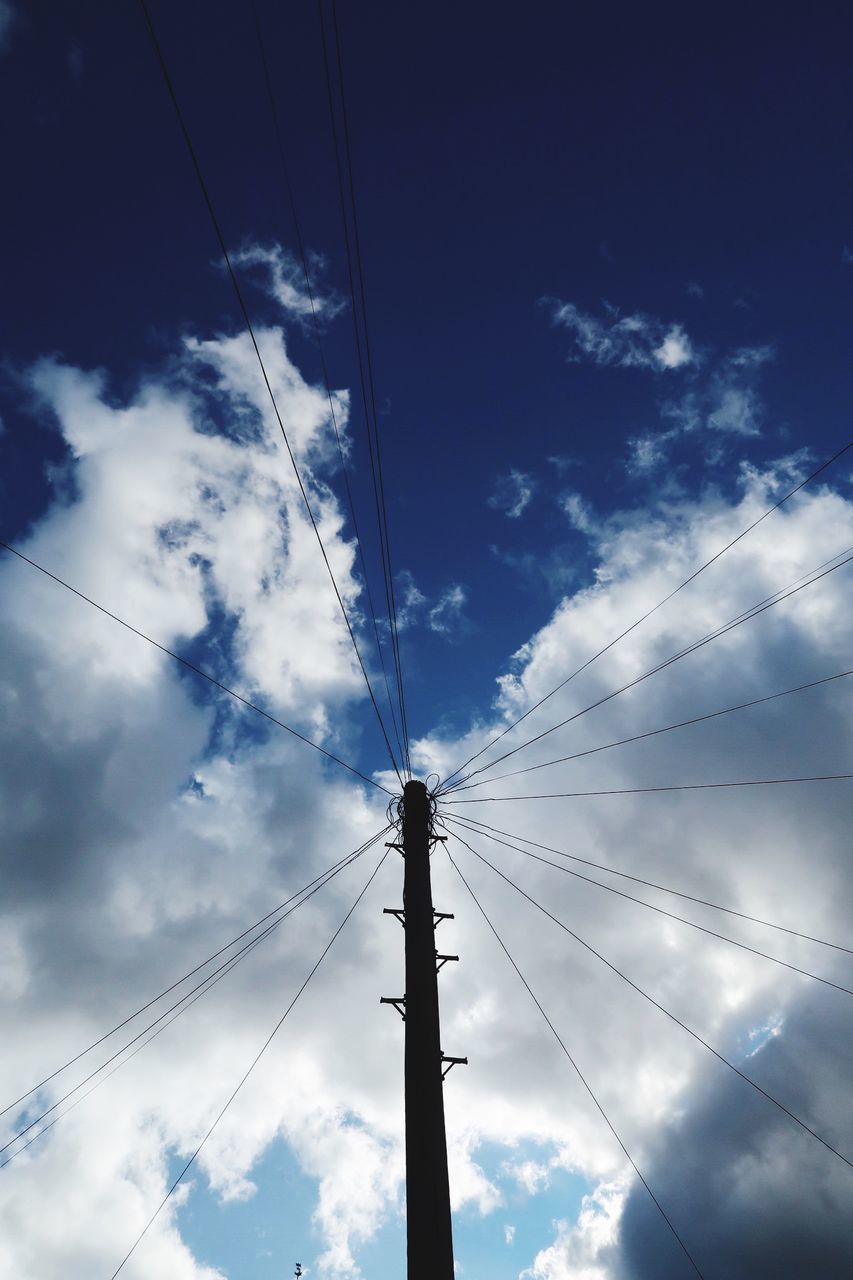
(429, 1234)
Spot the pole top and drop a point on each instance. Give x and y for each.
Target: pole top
(416, 803)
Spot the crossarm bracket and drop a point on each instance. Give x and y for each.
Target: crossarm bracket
(450, 1063)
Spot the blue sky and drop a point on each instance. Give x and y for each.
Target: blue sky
(608, 263)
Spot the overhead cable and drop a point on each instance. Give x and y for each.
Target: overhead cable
(182, 1004)
(686, 786)
(309, 288)
(796, 489)
(355, 277)
(578, 1071)
(673, 1017)
(671, 915)
(323, 876)
(368, 352)
(191, 666)
(267, 383)
(746, 616)
(652, 733)
(248, 1070)
(475, 824)
(201, 990)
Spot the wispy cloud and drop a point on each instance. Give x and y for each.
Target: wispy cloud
(649, 450)
(729, 401)
(562, 462)
(446, 614)
(724, 401)
(634, 341)
(512, 493)
(282, 277)
(442, 614)
(578, 512)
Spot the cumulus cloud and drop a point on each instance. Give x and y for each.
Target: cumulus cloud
(513, 493)
(142, 824)
(583, 1250)
(653, 1080)
(758, 1197)
(632, 341)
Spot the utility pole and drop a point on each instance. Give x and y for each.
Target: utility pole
(428, 1226)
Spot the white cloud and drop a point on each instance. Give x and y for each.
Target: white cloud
(282, 276)
(578, 512)
(649, 1077)
(729, 401)
(531, 1175)
(113, 870)
(442, 613)
(412, 600)
(583, 1250)
(509, 1233)
(648, 452)
(724, 402)
(736, 410)
(562, 462)
(751, 357)
(446, 614)
(675, 350)
(513, 493)
(633, 341)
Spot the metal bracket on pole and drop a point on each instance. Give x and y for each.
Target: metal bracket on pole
(442, 960)
(399, 1003)
(438, 916)
(451, 1062)
(399, 912)
(389, 844)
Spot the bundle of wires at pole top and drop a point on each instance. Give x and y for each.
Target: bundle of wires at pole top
(396, 811)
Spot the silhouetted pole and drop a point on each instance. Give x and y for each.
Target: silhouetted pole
(429, 1235)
